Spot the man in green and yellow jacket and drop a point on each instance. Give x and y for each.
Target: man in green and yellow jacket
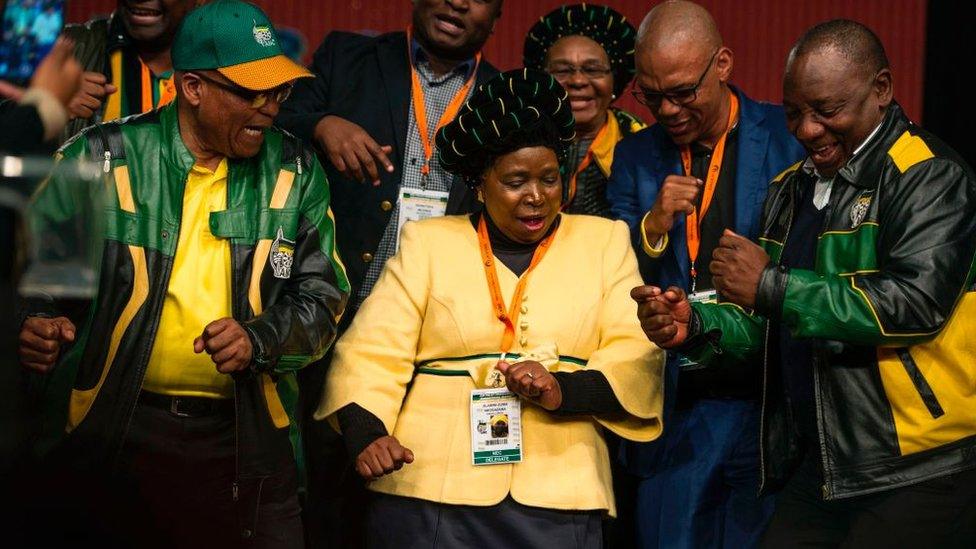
(859, 303)
(219, 279)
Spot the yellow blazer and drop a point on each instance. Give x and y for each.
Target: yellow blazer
(428, 326)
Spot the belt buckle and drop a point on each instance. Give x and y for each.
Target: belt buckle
(174, 407)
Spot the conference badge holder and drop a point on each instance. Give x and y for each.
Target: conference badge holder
(417, 204)
(496, 427)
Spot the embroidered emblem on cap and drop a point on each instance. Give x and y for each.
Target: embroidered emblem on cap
(282, 255)
(263, 35)
(859, 210)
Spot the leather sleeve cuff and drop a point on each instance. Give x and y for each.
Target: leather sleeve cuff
(35, 305)
(261, 361)
(772, 290)
(695, 338)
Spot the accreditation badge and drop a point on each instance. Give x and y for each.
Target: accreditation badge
(496, 427)
(417, 204)
(706, 296)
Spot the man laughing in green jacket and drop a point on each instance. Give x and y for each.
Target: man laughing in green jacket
(219, 279)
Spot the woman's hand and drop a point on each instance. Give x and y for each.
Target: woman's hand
(532, 381)
(382, 457)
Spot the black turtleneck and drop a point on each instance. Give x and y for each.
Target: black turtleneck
(515, 255)
(584, 391)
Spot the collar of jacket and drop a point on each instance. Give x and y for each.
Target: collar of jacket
(174, 150)
(117, 36)
(176, 154)
(863, 170)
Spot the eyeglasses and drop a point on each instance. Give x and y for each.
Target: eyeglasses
(565, 72)
(258, 99)
(679, 97)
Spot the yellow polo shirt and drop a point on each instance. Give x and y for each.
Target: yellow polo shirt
(198, 294)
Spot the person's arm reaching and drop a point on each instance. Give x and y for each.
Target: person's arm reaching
(54, 84)
(926, 247)
(309, 115)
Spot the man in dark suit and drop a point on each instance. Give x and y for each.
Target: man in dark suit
(702, 168)
(361, 111)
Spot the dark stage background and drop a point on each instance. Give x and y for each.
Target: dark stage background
(760, 32)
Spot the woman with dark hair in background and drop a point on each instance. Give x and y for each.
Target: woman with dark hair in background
(473, 305)
(589, 49)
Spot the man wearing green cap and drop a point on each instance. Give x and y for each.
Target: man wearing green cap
(219, 281)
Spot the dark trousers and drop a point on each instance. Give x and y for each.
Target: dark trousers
(335, 508)
(335, 505)
(928, 514)
(181, 470)
(701, 492)
(395, 522)
(621, 532)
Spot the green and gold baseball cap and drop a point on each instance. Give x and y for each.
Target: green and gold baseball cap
(237, 39)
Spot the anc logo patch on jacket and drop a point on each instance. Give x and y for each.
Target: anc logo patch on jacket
(859, 209)
(281, 256)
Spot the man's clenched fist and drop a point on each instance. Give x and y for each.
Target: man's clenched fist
(41, 340)
(227, 344)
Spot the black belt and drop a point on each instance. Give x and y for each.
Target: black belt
(187, 406)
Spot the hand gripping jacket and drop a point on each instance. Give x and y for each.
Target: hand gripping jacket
(288, 286)
(890, 308)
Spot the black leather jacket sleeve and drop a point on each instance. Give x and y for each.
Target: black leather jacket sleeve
(925, 256)
(300, 324)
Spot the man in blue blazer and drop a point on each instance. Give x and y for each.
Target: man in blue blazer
(701, 169)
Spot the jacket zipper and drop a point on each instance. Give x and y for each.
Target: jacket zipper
(762, 413)
(144, 361)
(765, 390)
(826, 487)
(235, 486)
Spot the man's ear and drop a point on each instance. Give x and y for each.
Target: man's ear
(723, 64)
(191, 86)
(884, 87)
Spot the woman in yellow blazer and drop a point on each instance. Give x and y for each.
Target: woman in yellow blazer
(475, 381)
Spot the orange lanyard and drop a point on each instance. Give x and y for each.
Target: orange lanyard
(510, 317)
(693, 221)
(585, 163)
(420, 109)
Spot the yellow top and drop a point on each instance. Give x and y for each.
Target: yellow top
(198, 294)
(425, 337)
(603, 147)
